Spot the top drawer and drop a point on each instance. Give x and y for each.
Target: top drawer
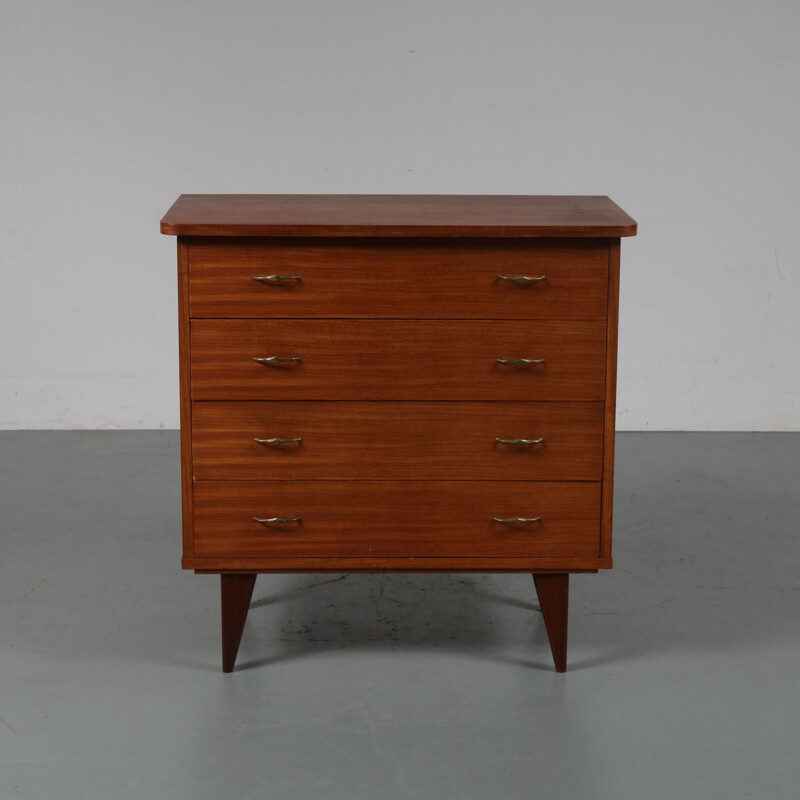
(398, 278)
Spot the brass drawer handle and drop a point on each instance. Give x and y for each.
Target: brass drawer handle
(520, 362)
(277, 520)
(275, 360)
(517, 521)
(522, 280)
(279, 442)
(275, 278)
(518, 442)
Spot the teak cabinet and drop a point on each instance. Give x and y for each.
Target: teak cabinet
(394, 383)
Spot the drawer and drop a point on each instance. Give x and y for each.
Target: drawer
(395, 518)
(398, 441)
(397, 360)
(399, 278)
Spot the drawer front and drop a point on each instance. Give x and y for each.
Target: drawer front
(397, 360)
(399, 279)
(395, 518)
(398, 441)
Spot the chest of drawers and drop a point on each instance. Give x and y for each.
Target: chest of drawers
(397, 383)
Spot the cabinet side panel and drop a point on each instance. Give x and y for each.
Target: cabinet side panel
(185, 395)
(610, 400)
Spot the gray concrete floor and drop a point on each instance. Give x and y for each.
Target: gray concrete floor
(684, 658)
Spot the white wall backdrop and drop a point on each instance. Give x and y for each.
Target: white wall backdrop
(686, 113)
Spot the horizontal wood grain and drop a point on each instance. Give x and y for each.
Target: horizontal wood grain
(397, 320)
(395, 215)
(399, 278)
(396, 518)
(397, 440)
(215, 566)
(397, 360)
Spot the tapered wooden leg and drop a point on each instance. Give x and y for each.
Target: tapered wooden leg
(553, 591)
(236, 591)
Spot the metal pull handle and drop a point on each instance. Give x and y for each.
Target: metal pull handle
(275, 278)
(517, 521)
(277, 520)
(516, 442)
(520, 362)
(522, 280)
(273, 360)
(279, 442)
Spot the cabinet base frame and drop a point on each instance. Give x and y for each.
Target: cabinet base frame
(309, 565)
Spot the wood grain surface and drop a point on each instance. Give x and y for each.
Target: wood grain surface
(553, 593)
(610, 403)
(393, 397)
(399, 441)
(399, 278)
(236, 592)
(397, 360)
(184, 371)
(273, 564)
(396, 518)
(396, 215)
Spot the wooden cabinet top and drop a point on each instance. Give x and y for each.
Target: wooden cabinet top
(504, 216)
